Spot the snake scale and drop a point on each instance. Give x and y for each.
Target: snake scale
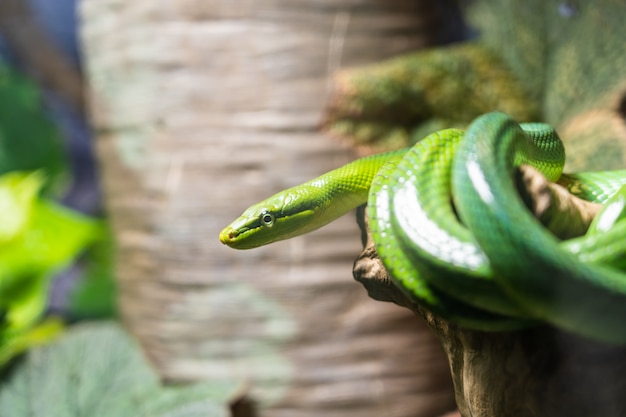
(456, 237)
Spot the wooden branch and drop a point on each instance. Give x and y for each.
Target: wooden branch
(563, 214)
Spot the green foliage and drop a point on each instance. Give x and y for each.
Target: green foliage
(94, 296)
(390, 104)
(96, 370)
(37, 239)
(39, 334)
(17, 192)
(28, 139)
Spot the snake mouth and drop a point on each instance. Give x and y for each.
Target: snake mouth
(228, 236)
(235, 238)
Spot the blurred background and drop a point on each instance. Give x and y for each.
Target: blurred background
(130, 133)
(44, 128)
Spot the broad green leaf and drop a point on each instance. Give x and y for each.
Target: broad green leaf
(23, 305)
(13, 344)
(96, 370)
(29, 140)
(53, 238)
(95, 295)
(18, 193)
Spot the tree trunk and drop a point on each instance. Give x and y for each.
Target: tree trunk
(202, 108)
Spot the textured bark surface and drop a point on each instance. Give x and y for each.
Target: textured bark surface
(202, 108)
(537, 372)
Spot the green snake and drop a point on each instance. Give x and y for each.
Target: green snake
(455, 236)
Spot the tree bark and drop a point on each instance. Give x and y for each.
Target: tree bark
(202, 108)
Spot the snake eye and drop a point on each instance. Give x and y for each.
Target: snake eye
(267, 219)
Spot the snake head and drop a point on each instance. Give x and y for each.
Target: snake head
(282, 216)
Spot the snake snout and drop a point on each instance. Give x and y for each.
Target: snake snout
(227, 235)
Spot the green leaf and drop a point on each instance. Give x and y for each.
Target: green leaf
(53, 238)
(12, 345)
(29, 140)
(96, 370)
(18, 192)
(95, 295)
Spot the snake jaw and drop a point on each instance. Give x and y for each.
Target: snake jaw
(234, 234)
(228, 235)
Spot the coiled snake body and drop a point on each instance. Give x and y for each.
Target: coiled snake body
(455, 236)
